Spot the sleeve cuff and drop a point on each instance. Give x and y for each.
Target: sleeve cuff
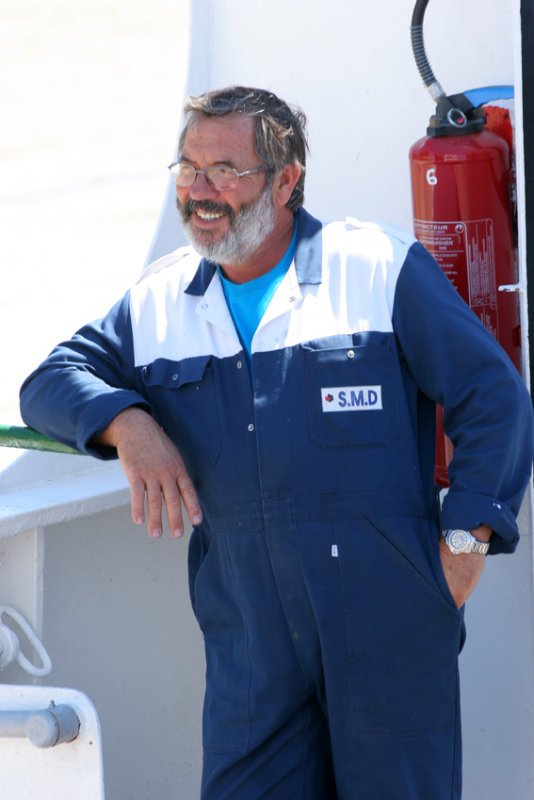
(469, 511)
(97, 416)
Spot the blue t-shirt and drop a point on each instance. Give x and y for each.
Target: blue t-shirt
(248, 301)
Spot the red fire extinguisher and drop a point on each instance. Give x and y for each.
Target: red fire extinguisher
(460, 174)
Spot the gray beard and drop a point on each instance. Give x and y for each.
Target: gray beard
(248, 229)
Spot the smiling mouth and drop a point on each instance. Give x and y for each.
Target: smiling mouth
(209, 215)
(205, 211)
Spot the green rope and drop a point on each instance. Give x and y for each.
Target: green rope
(28, 439)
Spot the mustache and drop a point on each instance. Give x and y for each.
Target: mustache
(190, 206)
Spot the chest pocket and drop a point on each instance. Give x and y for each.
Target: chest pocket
(183, 399)
(352, 395)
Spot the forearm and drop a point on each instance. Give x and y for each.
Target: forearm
(123, 424)
(463, 570)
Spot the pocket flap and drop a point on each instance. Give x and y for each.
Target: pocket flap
(174, 374)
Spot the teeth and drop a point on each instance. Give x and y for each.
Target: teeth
(207, 215)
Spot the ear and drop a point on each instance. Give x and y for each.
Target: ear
(284, 182)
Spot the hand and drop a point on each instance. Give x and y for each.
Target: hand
(153, 467)
(463, 571)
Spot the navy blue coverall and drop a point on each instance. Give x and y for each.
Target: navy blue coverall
(331, 635)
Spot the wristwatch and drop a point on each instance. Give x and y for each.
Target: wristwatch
(459, 541)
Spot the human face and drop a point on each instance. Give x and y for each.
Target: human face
(248, 229)
(227, 226)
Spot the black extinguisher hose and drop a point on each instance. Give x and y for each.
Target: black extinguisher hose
(418, 47)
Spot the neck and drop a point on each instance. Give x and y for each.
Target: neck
(268, 254)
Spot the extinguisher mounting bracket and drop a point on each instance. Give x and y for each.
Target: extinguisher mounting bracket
(455, 114)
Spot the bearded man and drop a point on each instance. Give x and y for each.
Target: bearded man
(279, 376)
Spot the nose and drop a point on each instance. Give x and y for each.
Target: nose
(201, 188)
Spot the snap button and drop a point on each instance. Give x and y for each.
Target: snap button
(251, 427)
(350, 354)
(239, 364)
(175, 376)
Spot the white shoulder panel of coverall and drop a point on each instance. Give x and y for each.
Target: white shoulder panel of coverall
(361, 262)
(167, 322)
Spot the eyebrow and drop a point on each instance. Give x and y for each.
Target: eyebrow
(221, 163)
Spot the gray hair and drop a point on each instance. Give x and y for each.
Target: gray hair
(280, 129)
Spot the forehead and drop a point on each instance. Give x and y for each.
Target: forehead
(228, 139)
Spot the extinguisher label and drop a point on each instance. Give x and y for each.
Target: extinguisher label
(465, 251)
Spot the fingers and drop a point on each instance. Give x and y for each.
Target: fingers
(154, 508)
(156, 473)
(138, 490)
(173, 507)
(171, 494)
(137, 499)
(189, 496)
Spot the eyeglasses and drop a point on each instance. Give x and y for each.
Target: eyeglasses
(222, 178)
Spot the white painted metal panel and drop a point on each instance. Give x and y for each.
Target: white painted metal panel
(66, 771)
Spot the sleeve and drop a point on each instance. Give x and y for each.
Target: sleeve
(457, 363)
(84, 383)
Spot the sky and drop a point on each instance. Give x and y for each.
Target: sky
(91, 92)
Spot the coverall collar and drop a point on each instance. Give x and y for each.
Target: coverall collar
(308, 258)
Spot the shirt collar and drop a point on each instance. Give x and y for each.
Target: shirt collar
(308, 257)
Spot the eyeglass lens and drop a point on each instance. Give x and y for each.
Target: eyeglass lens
(222, 178)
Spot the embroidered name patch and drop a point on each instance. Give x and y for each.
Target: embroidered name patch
(352, 398)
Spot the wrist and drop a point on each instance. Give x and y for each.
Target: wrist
(483, 533)
(123, 422)
(463, 542)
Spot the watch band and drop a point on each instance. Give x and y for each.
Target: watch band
(480, 547)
